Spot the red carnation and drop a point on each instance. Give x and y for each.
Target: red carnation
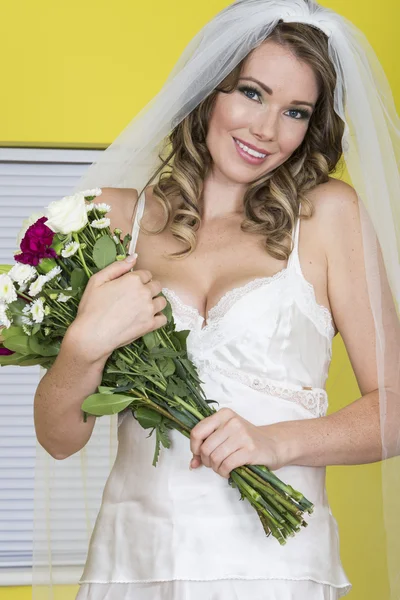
(36, 244)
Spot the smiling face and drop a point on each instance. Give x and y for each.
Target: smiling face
(273, 116)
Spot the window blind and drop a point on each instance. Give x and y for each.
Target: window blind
(31, 178)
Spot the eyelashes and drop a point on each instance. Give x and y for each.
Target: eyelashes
(304, 114)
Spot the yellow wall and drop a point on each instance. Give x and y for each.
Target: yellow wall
(75, 73)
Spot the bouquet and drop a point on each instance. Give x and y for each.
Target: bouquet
(152, 376)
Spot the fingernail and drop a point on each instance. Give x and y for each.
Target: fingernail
(131, 257)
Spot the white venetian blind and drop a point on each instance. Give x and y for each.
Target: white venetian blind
(29, 180)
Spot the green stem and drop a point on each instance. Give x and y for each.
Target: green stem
(189, 408)
(247, 492)
(80, 253)
(273, 498)
(157, 408)
(270, 490)
(63, 266)
(25, 296)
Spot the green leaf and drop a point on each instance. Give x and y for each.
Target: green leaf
(190, 367)
(105, 404)
(163, 352)
(35, 329)
(161, 438)
(18, 343)
(150, 340)
(37, 346)
(21, 360)
(17, 306)
(147, 417)
(156, 449)
(182, 336)
(177, 387)
(10, 359)
(163, 435)
(58, 242)
(78, 279)
(104, 252)
(189, 421)
(30, 361)
(166, 366)
(11, 332)
(104, 389)
(168, 309)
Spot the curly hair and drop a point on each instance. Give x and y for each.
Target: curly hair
(271, 203)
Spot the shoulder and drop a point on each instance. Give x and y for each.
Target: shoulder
(122, 201)
(333, 198)
(337, 213)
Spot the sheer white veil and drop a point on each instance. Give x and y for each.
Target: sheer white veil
(371, 148)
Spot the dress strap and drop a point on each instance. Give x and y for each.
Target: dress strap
(136, 222)
(293, 260)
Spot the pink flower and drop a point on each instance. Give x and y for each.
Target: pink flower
(36, 243)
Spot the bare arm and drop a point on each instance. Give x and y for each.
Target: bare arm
(58, 417)
(352, 435)
(118, 306)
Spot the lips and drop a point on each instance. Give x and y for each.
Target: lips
(252, 147)
(248, 158)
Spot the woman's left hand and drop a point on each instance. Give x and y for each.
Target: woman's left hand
(225, 441)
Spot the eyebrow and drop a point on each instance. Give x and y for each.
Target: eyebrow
(270, 92)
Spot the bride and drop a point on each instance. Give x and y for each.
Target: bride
(259, 250)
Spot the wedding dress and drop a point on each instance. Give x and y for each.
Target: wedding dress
(169, 533)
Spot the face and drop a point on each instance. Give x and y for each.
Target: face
(274, 120)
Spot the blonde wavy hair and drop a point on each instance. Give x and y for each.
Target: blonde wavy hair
(271, 203)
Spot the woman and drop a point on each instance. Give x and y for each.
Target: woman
(270, 268)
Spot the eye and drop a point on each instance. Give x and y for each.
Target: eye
(302, 114)
(249, 88)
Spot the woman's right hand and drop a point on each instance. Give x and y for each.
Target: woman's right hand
(118, 306)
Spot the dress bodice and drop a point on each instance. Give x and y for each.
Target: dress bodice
(270, 333)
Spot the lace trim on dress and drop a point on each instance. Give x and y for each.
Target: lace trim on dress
(313, 399)
(217, 312)
(224, 304)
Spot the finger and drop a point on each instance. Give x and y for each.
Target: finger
(144, 275)
(206, 427)
(195, 462)
(222, 452)
(159, 320)
(211, 444)
(159, 304)
(233, 461)
(155, 287)
(116, 269)
(201, 431)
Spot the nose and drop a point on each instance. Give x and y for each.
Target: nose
(265, 127)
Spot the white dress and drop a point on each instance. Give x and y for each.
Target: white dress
(169, 533)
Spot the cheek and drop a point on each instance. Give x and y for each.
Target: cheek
(292, 137)
(228, 114)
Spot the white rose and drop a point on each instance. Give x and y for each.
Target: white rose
(68, 214)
